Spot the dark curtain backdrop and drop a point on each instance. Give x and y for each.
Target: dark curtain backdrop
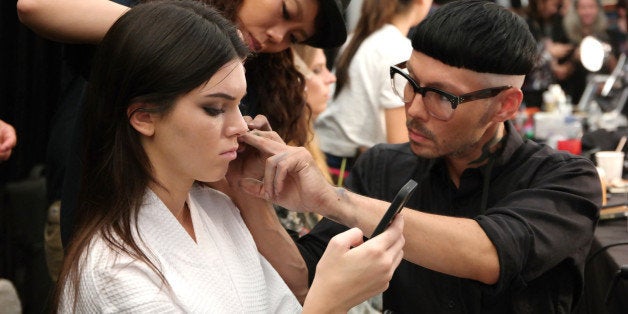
(30, 70)
(29, 89)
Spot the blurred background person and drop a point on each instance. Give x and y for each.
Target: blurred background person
(311, 62)
(618, 28)
(583, 18)
(543, 18)
(364, 110)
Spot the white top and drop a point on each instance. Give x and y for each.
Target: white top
(356, 117)
(222, 272)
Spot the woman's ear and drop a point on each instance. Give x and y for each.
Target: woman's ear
(141, 119)
(510, 100)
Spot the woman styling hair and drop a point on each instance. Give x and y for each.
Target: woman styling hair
(268, 27)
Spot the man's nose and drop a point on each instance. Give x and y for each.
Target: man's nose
(417, 109)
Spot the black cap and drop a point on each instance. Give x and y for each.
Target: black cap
(331, 29)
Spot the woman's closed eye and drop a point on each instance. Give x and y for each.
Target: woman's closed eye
(285, 12)
(317, 70)
(212, 111)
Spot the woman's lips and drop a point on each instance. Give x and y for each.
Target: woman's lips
(231, 154)
(253, 43)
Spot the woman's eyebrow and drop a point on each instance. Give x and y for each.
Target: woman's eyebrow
(299, 9)
(221, 95)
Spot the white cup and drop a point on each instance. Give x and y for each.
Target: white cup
(613, 164)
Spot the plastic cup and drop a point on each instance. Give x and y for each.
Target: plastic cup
(613, 164)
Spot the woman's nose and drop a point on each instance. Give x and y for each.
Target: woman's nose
(331, 77)
(238, 126)
(278, 34)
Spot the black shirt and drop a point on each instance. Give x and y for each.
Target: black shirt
(542, 209)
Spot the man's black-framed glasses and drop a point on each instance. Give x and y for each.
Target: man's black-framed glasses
(440, 104)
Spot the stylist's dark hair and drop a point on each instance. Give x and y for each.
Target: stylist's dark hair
(481, 36)
(153, 54)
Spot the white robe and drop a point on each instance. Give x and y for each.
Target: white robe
(222, 272)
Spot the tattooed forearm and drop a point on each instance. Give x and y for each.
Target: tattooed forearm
(341, 196)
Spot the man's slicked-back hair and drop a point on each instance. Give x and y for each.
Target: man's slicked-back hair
(477, 35)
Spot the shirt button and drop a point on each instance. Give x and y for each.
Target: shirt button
(451, 304)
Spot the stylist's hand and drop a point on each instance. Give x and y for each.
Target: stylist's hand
(347, 276)
(250, 162)
(291, 177)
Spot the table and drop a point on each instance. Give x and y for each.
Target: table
(604, 262)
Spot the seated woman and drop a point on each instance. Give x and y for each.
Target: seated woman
(543, 18)
(162, 116)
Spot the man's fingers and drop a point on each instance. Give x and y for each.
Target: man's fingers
(269, 178)
(265, 142)
(259, 123)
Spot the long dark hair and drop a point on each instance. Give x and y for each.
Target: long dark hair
(153, 54)
(278, 85)
(374, 14)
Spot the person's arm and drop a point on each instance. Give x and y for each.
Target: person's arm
(8, 140)
(396, 130)
(343, 277)
(455, 246)
(70, 21)
(562, 71)
(271, 239)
